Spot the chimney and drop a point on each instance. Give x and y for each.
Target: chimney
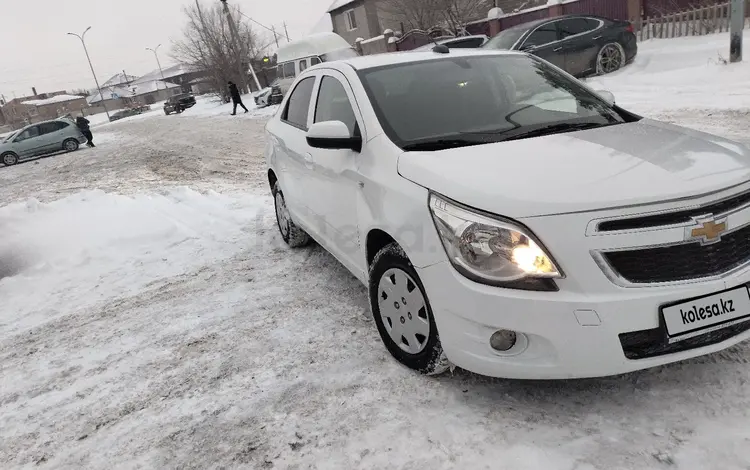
(34, 90)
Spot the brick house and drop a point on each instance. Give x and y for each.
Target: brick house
(20, 112)
(367, 19)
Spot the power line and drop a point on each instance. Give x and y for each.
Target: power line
(271, 28)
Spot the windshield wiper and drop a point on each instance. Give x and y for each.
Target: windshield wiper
(549, 130)
(442, 144)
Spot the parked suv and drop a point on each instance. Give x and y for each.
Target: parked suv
(521, 225)
(40, 139)
(179, 103)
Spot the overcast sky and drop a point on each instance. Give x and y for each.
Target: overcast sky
(36, 52)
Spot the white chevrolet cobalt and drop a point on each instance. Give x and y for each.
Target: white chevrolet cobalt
(511, 221)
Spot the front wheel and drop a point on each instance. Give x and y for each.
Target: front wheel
(10, 158)
(292, 234)
(166, 112)
(70, 145)
(403, 314)
(611, 58)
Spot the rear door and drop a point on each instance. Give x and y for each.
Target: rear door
(28, 143)
(294, 162)
(50, 135)
(544, 42)
(581, 40)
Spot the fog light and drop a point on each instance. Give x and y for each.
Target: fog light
(503, 340)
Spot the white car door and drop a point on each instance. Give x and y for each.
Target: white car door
(289, 137)
(334, 186)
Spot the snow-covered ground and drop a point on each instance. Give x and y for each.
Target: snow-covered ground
(151, 317)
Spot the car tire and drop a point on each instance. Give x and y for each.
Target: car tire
(166, 112)
(400, 308)
(290, 232)
(70, 145)
(9, 158)
(611, 57)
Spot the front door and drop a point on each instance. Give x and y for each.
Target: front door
(28, 143)
(335, 185)
(544, 42)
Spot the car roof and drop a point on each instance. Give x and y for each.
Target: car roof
(394, 58)
(535, 23)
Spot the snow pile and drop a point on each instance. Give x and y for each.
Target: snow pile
(53, 100)
(211, 106)
(69, 254)
(681, 73)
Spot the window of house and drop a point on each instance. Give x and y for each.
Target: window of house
(333, 104)
(298, 108)
(289, 71)
(302, 65)
(573, 26)
(351, 20)
(545, 34)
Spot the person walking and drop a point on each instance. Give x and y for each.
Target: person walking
(236, 98)
(83, 125)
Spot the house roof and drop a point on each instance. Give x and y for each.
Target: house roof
(52, 100)
(339, 4)
(134, 89)
(119, 79)
(169, 72)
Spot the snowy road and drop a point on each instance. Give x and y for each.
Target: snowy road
(151, 317)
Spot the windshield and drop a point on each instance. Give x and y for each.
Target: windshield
(506, 39)
(340, 54)
(9, 137)
(479, 99)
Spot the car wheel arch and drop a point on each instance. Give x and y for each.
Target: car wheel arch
(376, 240)
(272, 178)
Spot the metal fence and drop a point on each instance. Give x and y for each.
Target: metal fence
(693, 22)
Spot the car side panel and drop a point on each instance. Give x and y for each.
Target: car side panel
(581, 51)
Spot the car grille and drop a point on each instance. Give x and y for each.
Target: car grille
(652, 343)
(682, 262)
(679, 217)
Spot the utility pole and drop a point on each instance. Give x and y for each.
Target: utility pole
(82, 37)
(286, 30)
(275, 36)
(236, 36)
(737, 19)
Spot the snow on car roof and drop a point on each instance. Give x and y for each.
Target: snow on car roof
(392, 58)
(312, 45)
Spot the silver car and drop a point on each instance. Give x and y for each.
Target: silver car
(41, 138)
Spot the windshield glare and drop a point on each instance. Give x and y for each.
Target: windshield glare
(478, 96)
(505, 40)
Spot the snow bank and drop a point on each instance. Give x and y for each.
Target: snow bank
(690, 72)
(69, 254)
(211, 106)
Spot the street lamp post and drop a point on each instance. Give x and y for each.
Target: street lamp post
(82, 37)
(158, 63)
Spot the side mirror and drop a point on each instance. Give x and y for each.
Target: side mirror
(332, 135)
(607, 96)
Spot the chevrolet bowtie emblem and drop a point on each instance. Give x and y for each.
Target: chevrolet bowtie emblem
(707, 231)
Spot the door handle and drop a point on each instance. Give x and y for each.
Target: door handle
(309, 161)
(558, 49)
(598, 37)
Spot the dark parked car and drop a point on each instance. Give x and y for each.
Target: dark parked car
(581, 45)
(179, 103)
(122, 114)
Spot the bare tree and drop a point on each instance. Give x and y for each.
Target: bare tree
(424, 15)
(207, 45)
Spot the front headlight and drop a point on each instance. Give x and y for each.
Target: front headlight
(492, 251)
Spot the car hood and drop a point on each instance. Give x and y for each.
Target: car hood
(622, 165)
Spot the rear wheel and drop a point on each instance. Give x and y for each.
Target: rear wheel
(293, 235)
(9, 158)
(166, 112)
(611, 58)
(70, 145)
(403, 314)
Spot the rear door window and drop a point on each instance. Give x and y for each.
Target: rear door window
(298, 107)
(50, 127)
(575, 26)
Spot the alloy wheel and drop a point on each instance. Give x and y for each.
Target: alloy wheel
(282, 215)
(70, 146)
(403, 310)
(610, 58)
(9, 159)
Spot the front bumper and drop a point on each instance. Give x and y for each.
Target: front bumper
(569, 334)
